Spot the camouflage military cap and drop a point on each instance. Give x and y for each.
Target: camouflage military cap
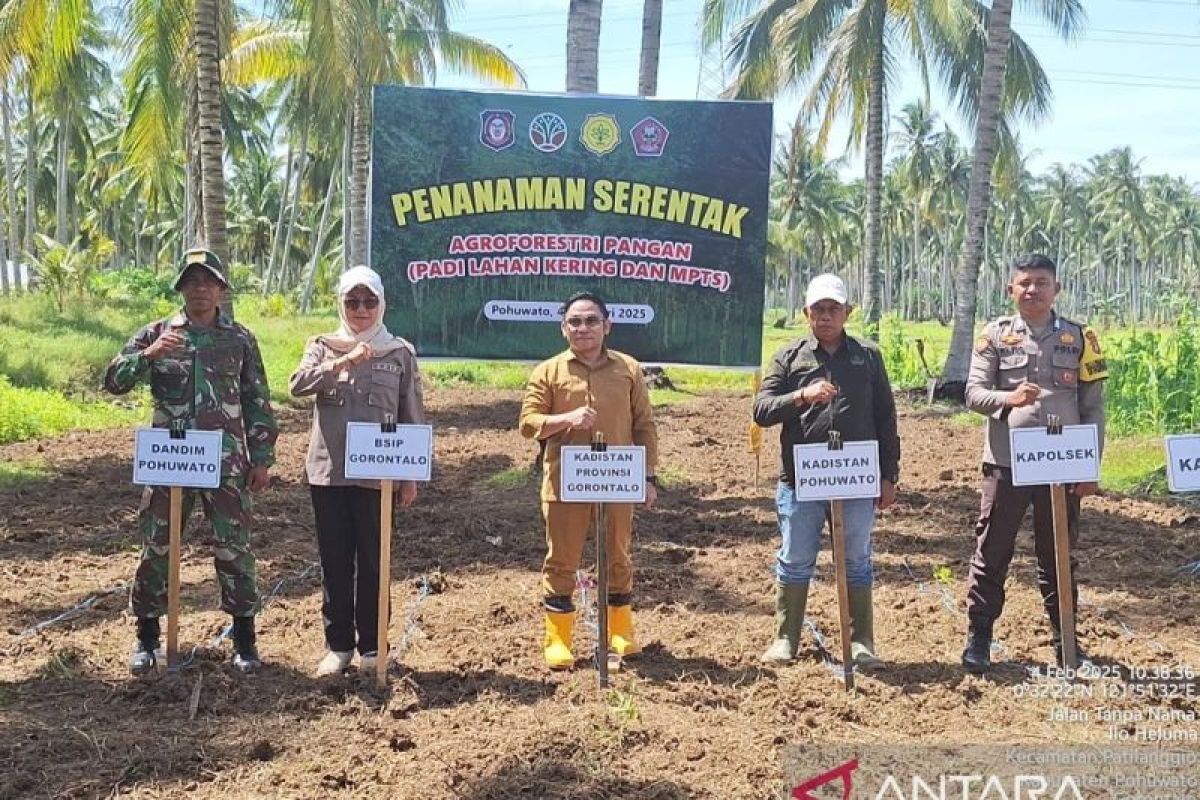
(202, 259)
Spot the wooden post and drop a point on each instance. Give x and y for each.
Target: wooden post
(599, 445)
(385, 580)
(1062, 561)
(173, 554)
(838, 536)
(602, 595)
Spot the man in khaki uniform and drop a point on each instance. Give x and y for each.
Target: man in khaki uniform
(584, 389)
(1025, 368)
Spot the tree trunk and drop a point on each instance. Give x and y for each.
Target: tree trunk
(311, 280)
(285, 256)
(652, 11)
(61, 233)
(583, 46)
(347, 142)
(4, 259)
(283, 198)
(793, 288)
(212, 134)
(30, 166)
(873, 279)
(360, 158)
(14, 241)
(995, 61)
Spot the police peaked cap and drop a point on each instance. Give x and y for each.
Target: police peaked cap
(205, 259)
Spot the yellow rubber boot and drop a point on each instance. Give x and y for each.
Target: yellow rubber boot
(620, 631)
(559, 625)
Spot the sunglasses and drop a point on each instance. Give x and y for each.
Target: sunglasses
(590, 321)
(355, 303)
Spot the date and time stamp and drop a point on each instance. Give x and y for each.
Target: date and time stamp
(1134, 703)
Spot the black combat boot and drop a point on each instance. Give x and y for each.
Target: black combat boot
(147, 649)
(245, 653)
(977, 658)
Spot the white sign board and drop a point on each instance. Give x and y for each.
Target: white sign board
(193, 461)
(1040, 458)
(615, 475)
(1183, 463)
(847, 474)
(371, 454)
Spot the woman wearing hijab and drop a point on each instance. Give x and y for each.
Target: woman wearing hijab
(359, 373)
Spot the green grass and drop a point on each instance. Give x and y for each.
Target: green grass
(51, 364)
(672, 477)
(489, 374)
(15, 474)
(1135, 464)
(36, 413)
(511, 478)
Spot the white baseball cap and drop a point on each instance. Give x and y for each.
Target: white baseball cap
(825, 287)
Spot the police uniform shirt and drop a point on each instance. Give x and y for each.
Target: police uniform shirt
(1064, 360)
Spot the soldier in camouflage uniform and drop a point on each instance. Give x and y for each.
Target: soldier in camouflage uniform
(206, 372)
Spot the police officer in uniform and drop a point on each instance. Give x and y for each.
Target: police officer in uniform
(1025, 368)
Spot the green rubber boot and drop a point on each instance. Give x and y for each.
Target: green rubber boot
(862, 628)
(790, 601)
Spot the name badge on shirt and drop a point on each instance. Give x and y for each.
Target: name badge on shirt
(386, 366)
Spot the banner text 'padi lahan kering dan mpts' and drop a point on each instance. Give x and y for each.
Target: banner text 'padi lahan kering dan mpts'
(489, 208)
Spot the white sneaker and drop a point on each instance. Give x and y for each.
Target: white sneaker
(366, 662)
(334, 663)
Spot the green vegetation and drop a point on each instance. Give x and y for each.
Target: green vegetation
(51, 363)
(15, 474)
(1135, 464)
(1154, 380)
(511, 478)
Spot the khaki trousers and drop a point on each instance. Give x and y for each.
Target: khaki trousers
(567, 527)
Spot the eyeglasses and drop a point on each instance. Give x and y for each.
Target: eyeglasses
(591, 321)
(355, 303)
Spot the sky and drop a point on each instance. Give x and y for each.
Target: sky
(1132, 78)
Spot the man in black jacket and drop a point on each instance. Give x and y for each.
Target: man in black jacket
(827, 381)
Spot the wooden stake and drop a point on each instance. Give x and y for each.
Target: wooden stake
(176, 532)
(838, 536)
(385, 580)
(601, 595)
(1062, 561)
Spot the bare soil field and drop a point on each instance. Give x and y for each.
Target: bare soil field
(470, 711)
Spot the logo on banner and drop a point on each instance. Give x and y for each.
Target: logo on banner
(600, 133)
(497, 129)
(649, 137)
(548, 132)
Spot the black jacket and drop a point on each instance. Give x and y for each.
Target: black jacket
(864, 408)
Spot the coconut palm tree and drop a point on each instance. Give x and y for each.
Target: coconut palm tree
(652, 11)
(915, 140)
(849, 48)
(583, 45)
(1000, 58)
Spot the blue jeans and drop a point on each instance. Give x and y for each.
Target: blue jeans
(800, 526)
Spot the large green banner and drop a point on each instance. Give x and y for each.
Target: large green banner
(488, 209)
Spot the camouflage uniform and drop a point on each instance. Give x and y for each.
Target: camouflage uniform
(218, 384)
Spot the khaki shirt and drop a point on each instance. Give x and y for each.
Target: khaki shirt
(616, 391)
(366, 392)
(1065, 361)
